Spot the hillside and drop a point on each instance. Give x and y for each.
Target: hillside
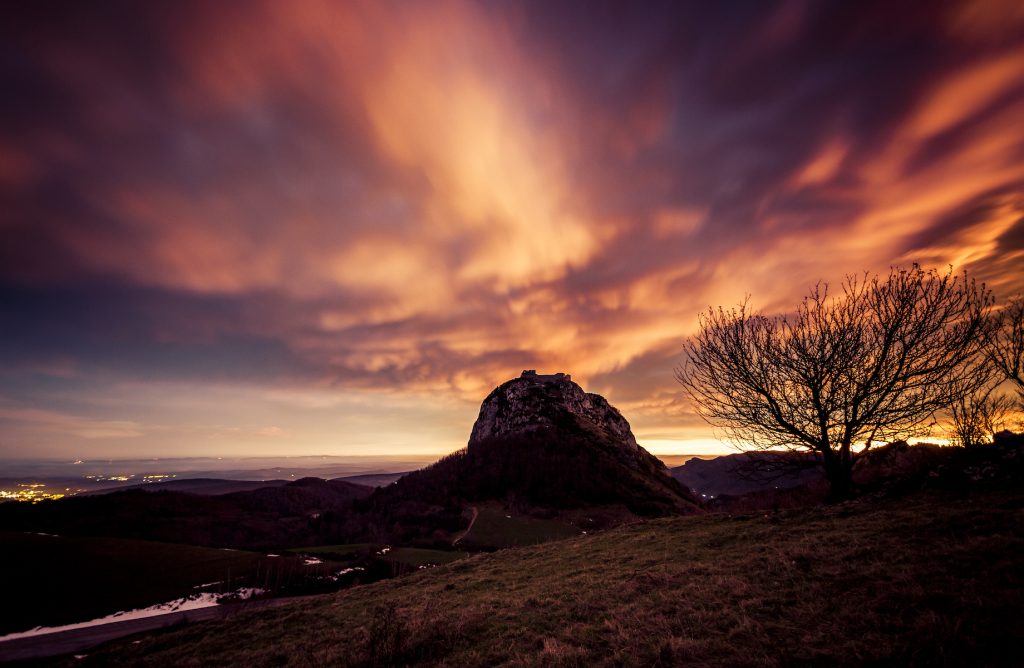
(217, 486)
(205, 486)
(746, 472)
(773, 480)
(302, 512)
(934, 578)
(540, 444)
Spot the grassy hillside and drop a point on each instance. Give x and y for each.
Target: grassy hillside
(359, 554)
(496, 528)
(932, 579)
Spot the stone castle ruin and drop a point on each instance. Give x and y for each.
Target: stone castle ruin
(531, 374)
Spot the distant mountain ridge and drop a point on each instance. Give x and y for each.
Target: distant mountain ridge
(203, 486)
(746, 472)
(218, 486)
(296, 513)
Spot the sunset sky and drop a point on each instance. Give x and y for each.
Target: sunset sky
(270, 228)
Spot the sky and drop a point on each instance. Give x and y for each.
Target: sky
(330, 228)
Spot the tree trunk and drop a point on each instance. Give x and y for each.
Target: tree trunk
(840, 479)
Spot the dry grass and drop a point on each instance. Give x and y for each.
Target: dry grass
(496, 527)
(927, 580)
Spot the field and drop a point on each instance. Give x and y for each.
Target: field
(52, 580)
(346, 552)
(495, 528)
(416, 557)
(408, 556)
(930, 579)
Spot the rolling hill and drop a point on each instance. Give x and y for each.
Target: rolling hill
(933, 578)
(303, 512)
(205, 486)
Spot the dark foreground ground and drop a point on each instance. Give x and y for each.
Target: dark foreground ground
(935, 578)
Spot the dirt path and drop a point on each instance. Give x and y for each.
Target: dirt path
(472, 521)
(78, 640)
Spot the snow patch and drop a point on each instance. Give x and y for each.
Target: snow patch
(344, 571)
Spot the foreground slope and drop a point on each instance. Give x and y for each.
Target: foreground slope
(929, 579)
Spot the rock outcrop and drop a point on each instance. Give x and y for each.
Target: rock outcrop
(532, 402)
(542, 439)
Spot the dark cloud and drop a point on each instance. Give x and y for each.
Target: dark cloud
(1012, 240)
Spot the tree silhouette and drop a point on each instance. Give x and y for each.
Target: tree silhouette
(1007, 349)
(977, 415)
(872, 364)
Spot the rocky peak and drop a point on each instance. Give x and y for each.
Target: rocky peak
(534, 401)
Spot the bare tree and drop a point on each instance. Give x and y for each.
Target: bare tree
(1007, 349)
(875, 363)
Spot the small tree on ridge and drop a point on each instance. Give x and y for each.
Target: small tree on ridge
(977, 415)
